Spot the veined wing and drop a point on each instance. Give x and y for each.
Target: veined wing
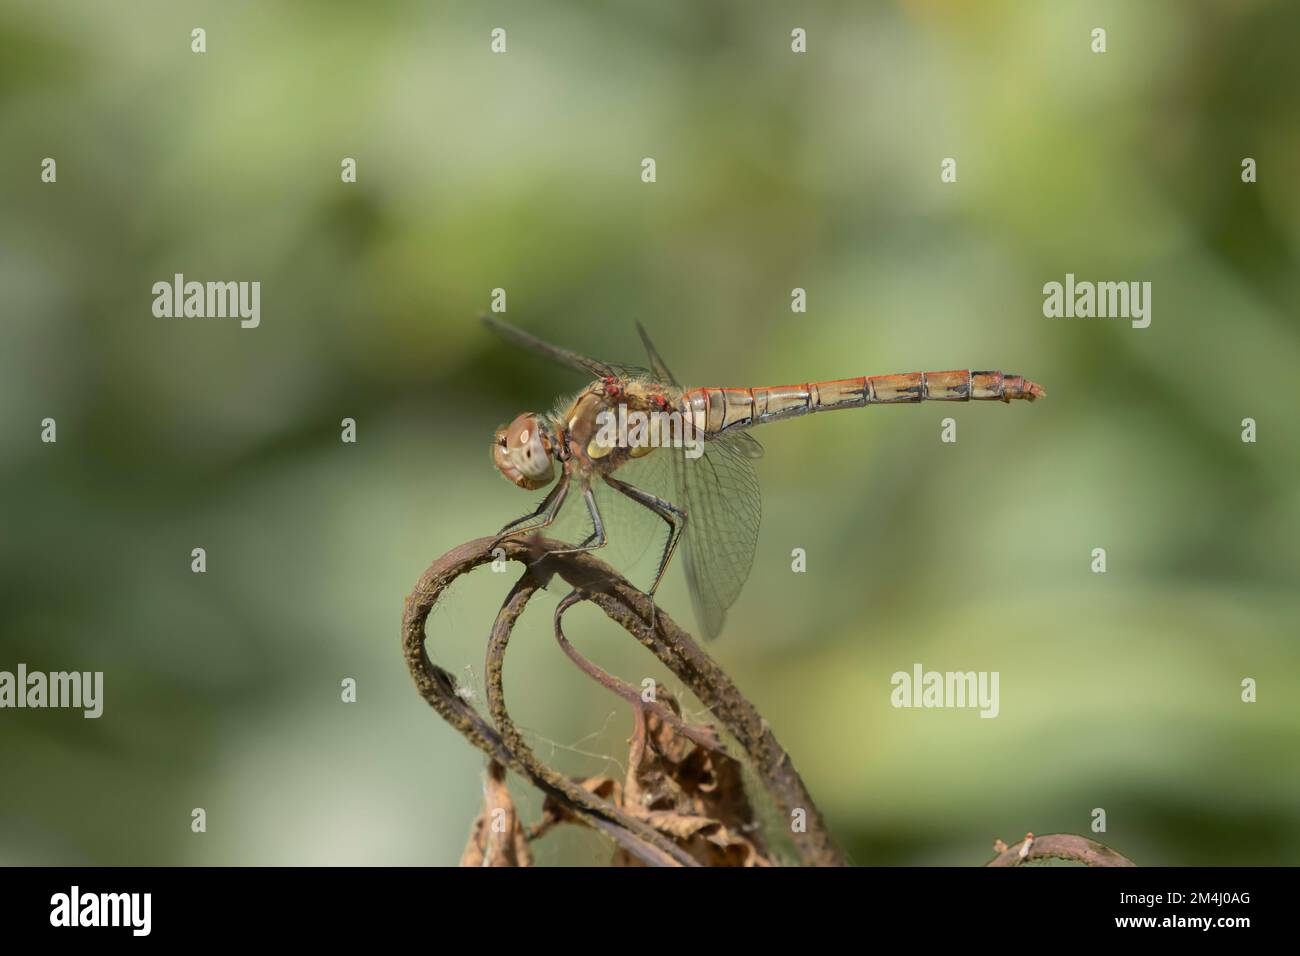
(574, 360)
(719, 490)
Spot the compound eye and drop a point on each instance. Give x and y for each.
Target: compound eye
(528, 449)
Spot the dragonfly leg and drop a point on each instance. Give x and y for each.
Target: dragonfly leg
(547, 511)
(598, 528)
(673, 516)
(703, 736)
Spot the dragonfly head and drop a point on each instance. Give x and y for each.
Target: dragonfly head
(522, 451)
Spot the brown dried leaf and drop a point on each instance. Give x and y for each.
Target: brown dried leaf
(694, 795)
(497, 838)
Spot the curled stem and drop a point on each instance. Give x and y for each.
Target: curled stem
(655, 630)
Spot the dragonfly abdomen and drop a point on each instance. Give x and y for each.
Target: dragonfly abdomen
(721, 409)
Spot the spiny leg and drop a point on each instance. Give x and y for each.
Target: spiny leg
(672, 515)
(548, 505)
(547, 511)
(598, 527)
(705, 737)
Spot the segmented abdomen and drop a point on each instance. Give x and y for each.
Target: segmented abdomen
(719, 409)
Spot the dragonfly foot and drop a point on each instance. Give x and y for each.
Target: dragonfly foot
(501, 538)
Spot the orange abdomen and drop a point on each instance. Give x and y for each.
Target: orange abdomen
(719, 409)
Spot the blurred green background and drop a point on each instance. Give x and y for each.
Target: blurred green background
(775, 170)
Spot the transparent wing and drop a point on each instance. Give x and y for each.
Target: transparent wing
(556, 353)
(657, 363)
(745, 444)
(720, 492)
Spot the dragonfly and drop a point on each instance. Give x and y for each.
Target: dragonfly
(714, 509)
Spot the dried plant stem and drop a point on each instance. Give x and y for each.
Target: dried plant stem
(659, 850)
(628, 607)
(704, 736)
(1060, 846)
